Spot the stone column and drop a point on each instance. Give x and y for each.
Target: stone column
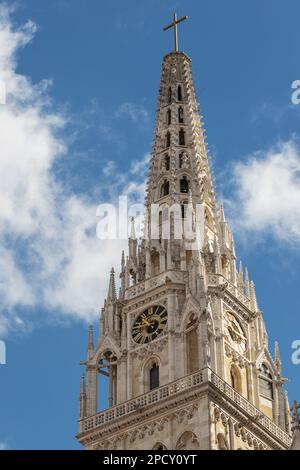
(249, 382)
(171, 325)
(92, 390)
(122, 380)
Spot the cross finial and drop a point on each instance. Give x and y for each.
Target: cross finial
(174, 25)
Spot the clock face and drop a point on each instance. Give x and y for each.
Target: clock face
(236, 334)
(150, 324)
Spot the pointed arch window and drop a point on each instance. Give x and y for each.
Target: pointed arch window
(170, 95)
(107, 368)
(165, 189)
(160, 225)
(266, 382)
(181, 159)
(184, 205)
(180, 115)
(167, 162)
(168, 139)
(184, 185)
(179, 93)
(235, 378)
(169, 117)
(192, 350)
(154, 376)
(181, 137)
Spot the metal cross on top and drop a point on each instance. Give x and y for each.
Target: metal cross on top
(174, 25)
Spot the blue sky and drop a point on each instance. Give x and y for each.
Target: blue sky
(82, 80)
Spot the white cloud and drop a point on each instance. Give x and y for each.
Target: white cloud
(266, 197)
(3, 446)
(110, 168)
(140, 167)
(49, 253)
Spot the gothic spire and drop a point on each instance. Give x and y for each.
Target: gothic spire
(222, 213)
(179, 162)
(132, 229)
(277, 358)
(254, 305)
(247, 283)
(111, 296)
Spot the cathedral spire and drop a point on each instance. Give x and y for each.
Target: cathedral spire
(182, 316)
(180, 163)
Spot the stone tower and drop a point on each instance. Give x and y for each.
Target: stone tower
(183, 345)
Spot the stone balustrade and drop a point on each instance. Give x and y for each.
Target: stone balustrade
(175, 388)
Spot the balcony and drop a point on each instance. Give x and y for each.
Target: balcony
(159, 280)
(188, 383)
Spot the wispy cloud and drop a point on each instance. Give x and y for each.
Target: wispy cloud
(266, 193)
(49, 253)
(137, 113)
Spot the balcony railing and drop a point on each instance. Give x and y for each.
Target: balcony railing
(217, 279)
(250, 409)
(177, 387)
(158, 280)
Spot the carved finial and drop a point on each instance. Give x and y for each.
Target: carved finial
(91, 340)
(277, 357)
(247, 283)
(132, 229)
(241, 277)
(222, 213)
(253, 300)
(82, 385)
(82, 398)
(111, 296)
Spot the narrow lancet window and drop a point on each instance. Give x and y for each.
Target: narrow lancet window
(165, 188)
(181, 137)
(179, 93)
(169, 117)
(168, 140)
(184, 185)
(166, 163)
(180, 115)
(154, 376)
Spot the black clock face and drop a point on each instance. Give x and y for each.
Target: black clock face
(149, 324)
